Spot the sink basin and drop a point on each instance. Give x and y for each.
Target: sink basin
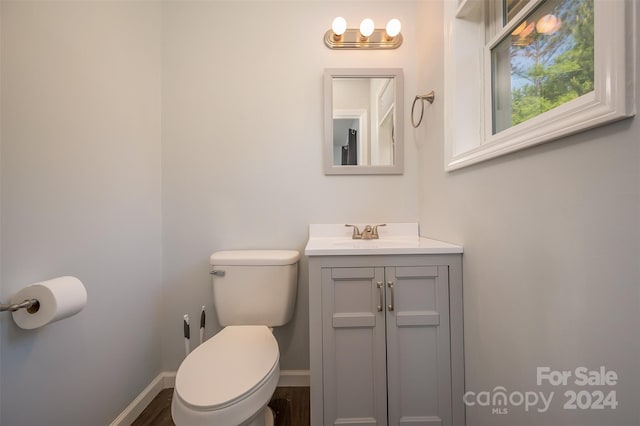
(395, 238)
(339, 242)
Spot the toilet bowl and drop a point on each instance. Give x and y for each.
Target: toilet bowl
(228, 380)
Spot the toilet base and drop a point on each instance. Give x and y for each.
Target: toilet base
(266, 418)
(269, 417)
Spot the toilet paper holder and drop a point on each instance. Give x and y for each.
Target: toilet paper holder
(31, 305)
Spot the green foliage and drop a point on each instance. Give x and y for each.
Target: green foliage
(557, 67)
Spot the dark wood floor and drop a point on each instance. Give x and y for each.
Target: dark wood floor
(290, 405)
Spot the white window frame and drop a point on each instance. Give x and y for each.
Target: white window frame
(468, 116)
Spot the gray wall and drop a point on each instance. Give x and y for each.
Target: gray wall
(242, 145)
(141, 138)
(138, 138)
(1, 287)
(81, 196)
(552, 253)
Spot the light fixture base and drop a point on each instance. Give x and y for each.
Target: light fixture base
(352, 39)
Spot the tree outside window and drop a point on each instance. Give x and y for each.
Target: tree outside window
(546, 61)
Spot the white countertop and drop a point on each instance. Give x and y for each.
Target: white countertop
(395, 238)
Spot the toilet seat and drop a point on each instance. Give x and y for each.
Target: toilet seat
(227, 368)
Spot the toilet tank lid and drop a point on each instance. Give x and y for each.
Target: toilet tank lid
(255, 257)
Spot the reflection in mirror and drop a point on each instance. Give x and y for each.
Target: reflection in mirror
(363, 121)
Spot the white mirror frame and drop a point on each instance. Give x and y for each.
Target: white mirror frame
(468, 138)
(398, 79)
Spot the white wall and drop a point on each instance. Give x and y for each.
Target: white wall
(242, 144)
(81, 196)
(552, 254)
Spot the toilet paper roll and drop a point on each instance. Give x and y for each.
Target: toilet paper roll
(58, 298)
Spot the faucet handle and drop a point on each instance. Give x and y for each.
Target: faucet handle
(356, 232)
(374, 233)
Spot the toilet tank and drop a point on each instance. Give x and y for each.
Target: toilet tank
(255, 287)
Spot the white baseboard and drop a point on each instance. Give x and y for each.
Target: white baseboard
(162, 381)
(167, 379)
(297, 378)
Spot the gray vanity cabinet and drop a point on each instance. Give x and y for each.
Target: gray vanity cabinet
(384, 336)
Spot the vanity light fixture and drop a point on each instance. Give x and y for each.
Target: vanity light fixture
(367, 27)
(338, 26)
(393, 28)
(367, 36)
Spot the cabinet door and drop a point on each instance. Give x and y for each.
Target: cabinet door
(418, 351)
(353, 347)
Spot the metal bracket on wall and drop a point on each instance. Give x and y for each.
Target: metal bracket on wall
(31, 306)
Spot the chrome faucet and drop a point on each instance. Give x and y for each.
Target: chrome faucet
(368, 233)
(374, 233)
(356, 232)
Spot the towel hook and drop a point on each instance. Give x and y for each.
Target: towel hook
(429, 97)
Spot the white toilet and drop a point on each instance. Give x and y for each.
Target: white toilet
(230, 378)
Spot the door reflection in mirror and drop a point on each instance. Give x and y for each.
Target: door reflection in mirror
(363, 121)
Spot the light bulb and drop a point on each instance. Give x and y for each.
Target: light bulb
(393, 27)
(366, 27)
(339, 26)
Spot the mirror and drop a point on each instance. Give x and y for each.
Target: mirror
(363, 116)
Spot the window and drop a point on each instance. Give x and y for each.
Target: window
(546, 61)
(511, 9)
(546, 69)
